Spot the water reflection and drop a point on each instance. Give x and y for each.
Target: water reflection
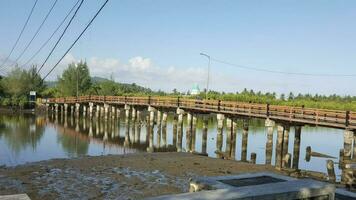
(64, 135)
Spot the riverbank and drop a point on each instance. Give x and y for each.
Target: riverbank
(131, 176)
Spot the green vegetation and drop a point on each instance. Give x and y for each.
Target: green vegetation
(15, 88)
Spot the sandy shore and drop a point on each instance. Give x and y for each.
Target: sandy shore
(132, 176)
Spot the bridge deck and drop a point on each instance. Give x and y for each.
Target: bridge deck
(319, 117)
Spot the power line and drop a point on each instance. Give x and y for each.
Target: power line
(281, 72)
(36, 33)
(54, 32)
(91, 21)
(60, 38)
(18, 38)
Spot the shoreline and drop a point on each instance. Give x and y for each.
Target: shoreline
(130, 176)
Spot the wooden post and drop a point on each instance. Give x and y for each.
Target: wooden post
(296, 147)
(331, 171)
(220, 118)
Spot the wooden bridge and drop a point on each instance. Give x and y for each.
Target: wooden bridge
(287, 114)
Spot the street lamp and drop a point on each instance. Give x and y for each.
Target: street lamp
(207, 82)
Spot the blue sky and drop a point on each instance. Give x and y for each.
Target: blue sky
(156, 43)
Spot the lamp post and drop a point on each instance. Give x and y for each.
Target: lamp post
(207, 82)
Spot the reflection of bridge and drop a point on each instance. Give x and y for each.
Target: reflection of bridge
(320, 117)
(109, 107)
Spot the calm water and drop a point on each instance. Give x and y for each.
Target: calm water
(28, 138)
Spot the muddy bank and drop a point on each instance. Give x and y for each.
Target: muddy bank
(132, 176)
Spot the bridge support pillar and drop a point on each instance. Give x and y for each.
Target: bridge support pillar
(113, 112)
(118, 112)
(285, 140)
(65, 109)
(348, 136)
(106, 111)
(77, 108)
(175, 122)
(220, 118)
(84, 110)
(244, 141)
(233, 139)
(91, 105)
(269, 144)
(71, 110)
(133, 114)
(188, 134)
(164, 128)
(159, 115)
(296, 147)
(151, 128)
(194, 132)
(97, 112)
(279, 146)
(205, 136)
(56, 108)
(180, 113)
(228, 135)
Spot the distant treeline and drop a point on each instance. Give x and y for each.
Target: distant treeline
(76, 80)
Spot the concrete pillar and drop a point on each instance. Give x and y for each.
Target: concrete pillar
(164, 129)
(113, 112)
(279, 147)
(269, 144)
(133, 115)
(348, 136)
(244, 141)
(118, 113)
(151, 110)
(65, 109)
(127, 112)
(91, 108)
(138, 127)
(175, 122)
(159, 114)
(219, 138)
(77, 109)
(180, 132)
(285, 139)
(72, 110)
(106, 111)
(188, 136)
(56, 108)
(296, 147)
(205, 135)
(233, 140)
(97, 113)
(194, 132)
(228, 135)
(84, 110)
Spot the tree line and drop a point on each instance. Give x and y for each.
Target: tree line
(76, 80)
